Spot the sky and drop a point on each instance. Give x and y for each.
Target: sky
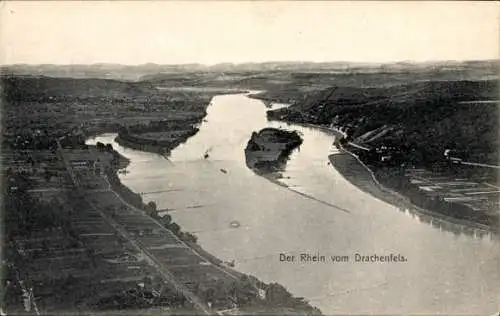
(170, 32)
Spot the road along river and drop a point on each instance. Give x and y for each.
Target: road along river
(448, 269)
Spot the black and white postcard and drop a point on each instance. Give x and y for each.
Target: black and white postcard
(250, 158)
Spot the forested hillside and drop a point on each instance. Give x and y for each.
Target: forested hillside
(424, 118)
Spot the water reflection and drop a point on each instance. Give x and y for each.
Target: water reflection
(265, 168)
(447, 226)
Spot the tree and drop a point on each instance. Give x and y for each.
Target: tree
(174, 228)
(276, 293)
(189, 237)
(100, 146)
(152, 205)
(150, 209)
(166, 220)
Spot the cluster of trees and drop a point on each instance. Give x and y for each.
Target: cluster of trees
(101, 147)
(160, 125)
(244, 293)
(136, 140)
(127, 194)
(141, 298)
(128, 138)
(167, 222)
(108, 148)
(249, 294)
(277, 296)
(228, 293)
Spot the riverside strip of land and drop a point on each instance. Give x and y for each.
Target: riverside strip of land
(355, 171)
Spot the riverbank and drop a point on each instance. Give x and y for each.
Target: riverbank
(162, 147)
(360, 175)
(249, 295)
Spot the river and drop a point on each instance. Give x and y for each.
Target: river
(449, 269)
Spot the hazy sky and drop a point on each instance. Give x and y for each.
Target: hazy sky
(211, 32)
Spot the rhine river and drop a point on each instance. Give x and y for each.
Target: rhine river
(448, 269)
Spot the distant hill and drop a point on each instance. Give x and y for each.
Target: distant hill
(101, 71)
(156, 72)
(33, 88)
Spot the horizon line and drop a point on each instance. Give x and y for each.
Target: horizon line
(257, 62)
